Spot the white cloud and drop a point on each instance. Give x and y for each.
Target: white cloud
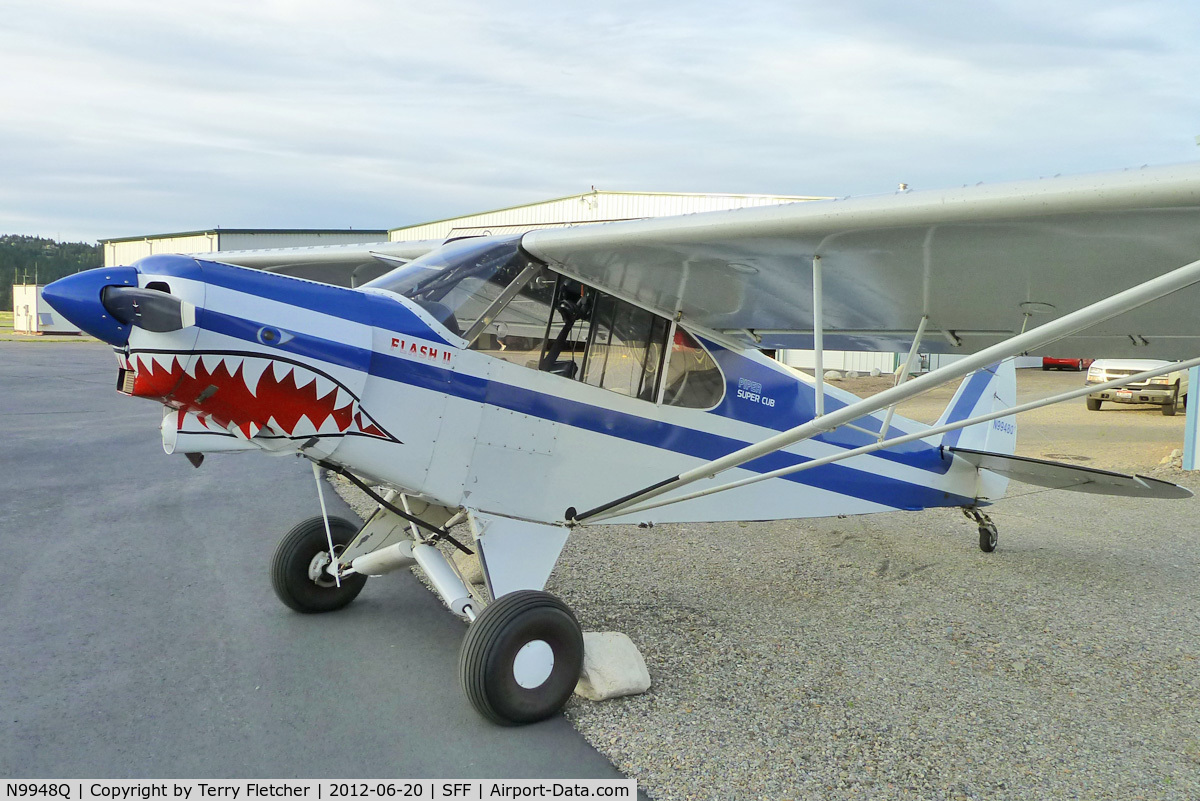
(127, 116)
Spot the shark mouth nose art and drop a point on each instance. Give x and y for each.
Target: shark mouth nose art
(247, 394)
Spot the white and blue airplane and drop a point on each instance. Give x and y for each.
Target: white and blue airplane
(527, 385)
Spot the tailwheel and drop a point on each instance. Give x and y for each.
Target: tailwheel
(521, 658)
(298, 569)
(988, 537)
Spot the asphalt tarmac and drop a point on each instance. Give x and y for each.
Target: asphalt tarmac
(140, 637)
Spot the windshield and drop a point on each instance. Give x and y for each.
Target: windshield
(458, 282)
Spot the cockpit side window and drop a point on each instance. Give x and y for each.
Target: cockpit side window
(517, 332)
(626, 348)
(511, 307)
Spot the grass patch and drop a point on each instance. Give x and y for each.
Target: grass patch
(6, 321)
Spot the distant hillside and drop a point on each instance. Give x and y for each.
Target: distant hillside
(23, 256)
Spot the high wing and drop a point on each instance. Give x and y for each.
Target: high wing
(982, 263)
(345, 265)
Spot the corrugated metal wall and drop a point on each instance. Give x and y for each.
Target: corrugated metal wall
(299, 239)
(127, 252)
(119, 253)
(859, 361)
(592, 207)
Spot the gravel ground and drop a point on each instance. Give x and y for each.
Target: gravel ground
(887, 657)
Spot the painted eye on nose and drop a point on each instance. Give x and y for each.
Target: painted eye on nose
(273, 336)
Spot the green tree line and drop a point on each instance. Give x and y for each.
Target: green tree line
(23, 257)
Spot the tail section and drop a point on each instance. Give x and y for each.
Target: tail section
(987, 390)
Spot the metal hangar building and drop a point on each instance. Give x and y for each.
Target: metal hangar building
(127, 250)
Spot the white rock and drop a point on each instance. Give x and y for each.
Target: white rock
(1173, 456)
(612, 667)
(875, 372)
(833, 375)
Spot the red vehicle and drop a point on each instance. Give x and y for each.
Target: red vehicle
(1050, 363)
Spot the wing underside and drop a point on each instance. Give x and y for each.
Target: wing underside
(982, 263)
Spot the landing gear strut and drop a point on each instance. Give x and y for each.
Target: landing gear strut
(989, 536)
(523, 652)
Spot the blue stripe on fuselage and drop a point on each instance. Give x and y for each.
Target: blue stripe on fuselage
(840, 479)
(336, 301)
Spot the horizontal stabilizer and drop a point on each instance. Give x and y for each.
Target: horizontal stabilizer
(1057, 475)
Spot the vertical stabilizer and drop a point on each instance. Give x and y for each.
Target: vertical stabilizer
(987, 390)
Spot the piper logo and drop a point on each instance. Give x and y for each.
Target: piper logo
(752, 391)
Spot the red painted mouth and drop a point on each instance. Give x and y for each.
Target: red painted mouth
(249, 394)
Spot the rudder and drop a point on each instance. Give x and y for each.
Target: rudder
(988, 389)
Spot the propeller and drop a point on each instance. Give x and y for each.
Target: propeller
(149, 309)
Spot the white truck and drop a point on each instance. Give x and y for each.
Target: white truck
(1168, 391)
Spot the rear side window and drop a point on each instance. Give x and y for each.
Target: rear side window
(693, 379)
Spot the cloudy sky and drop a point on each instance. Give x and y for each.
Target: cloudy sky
(128, 117)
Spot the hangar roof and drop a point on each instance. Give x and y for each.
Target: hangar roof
(218, 230)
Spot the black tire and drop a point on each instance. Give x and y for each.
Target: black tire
(1093, 404)
(1170, 407)
(295, 554)
(487, 660)
(988, 538)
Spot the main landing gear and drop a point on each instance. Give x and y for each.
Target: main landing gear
(523, 651)
(521, 658)
(989, 536)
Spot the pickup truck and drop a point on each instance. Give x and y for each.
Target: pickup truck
(1168, 391)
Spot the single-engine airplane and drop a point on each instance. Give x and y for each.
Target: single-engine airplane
(531, 384)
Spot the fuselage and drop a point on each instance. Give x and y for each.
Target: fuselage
(370, 380)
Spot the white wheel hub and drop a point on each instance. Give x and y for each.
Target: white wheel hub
(533, 664)
(318, 570)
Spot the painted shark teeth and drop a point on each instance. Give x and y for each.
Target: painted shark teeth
(304, 427)
(210, 362)
(232, 363)
(252, 370)
(250, 394)
(303, 378)
(324, 386)
(164, 361)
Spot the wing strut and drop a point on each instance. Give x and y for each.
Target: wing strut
(904, 374)
(818, 335)
(1041, 336)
